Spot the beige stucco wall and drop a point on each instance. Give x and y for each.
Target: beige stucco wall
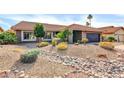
(70, 39)
(119, 35)
(83, 35)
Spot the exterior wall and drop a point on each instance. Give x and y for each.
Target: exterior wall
(119, 35)
(18, 34)
(70, 39)
(84, 35)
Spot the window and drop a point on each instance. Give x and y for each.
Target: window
(55, 33)
(28, 36)
(47, 35)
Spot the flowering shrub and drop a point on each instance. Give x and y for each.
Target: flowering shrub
(84, 40)
(42, 44)
(62, 46)
(29, 56)
(8, 38)
(107, 45)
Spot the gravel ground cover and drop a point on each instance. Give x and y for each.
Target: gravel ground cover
(83, 51)
(97, 68)
(9, 60)
(77, 61)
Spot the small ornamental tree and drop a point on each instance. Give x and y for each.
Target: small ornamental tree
(64, 34)
(39, 31)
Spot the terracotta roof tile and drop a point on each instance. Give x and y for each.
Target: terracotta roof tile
(84, 28)
(110, 29)
(24, 25)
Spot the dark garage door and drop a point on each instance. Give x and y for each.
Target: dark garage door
(93, 37)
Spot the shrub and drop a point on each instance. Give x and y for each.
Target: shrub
(107, 45)
(63, 35)
(29, 56)
(78, 41)
(84, 40)
(55, 41)
(111, 39)
(62, 46)
(42, 44)
(8, 38)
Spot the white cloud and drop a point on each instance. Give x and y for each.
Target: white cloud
(55, 20)
(5, 23)
(46, 19)
(40, 18)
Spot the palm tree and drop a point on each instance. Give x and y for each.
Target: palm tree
(89, 17)
(87, 23)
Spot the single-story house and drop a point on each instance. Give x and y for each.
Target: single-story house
(25, 32)
(117, 32)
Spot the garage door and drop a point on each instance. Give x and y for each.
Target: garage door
(93, 37)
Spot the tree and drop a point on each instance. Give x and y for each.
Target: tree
(63, 35)
(87, 23)
(39, 31)
(111, 39)
(89, 17)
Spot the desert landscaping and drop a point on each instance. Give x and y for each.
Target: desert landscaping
(78, 61)
(43, 50)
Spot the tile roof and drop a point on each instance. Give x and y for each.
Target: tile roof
(24, 25)
(84, 28)
(110, 29)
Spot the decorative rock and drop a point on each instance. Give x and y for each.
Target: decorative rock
(102, 55)
(3, 74)
(105, 67)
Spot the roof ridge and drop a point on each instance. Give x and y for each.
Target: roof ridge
(42, 23)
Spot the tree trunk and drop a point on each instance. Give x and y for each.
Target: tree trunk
(38, 39)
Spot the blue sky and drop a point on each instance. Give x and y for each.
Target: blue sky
(8, 20)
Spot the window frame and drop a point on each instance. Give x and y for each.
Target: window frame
(22, 35)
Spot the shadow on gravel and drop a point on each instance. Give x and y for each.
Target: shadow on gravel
(22, 66)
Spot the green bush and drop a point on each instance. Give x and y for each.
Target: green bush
(42, 44)
(29, 56)
(63, 35)
(8, 38)
(55, 41)
(111, 39)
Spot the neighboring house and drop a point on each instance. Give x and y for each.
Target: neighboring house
(117, 32)
(1, 30)
(25, 32)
